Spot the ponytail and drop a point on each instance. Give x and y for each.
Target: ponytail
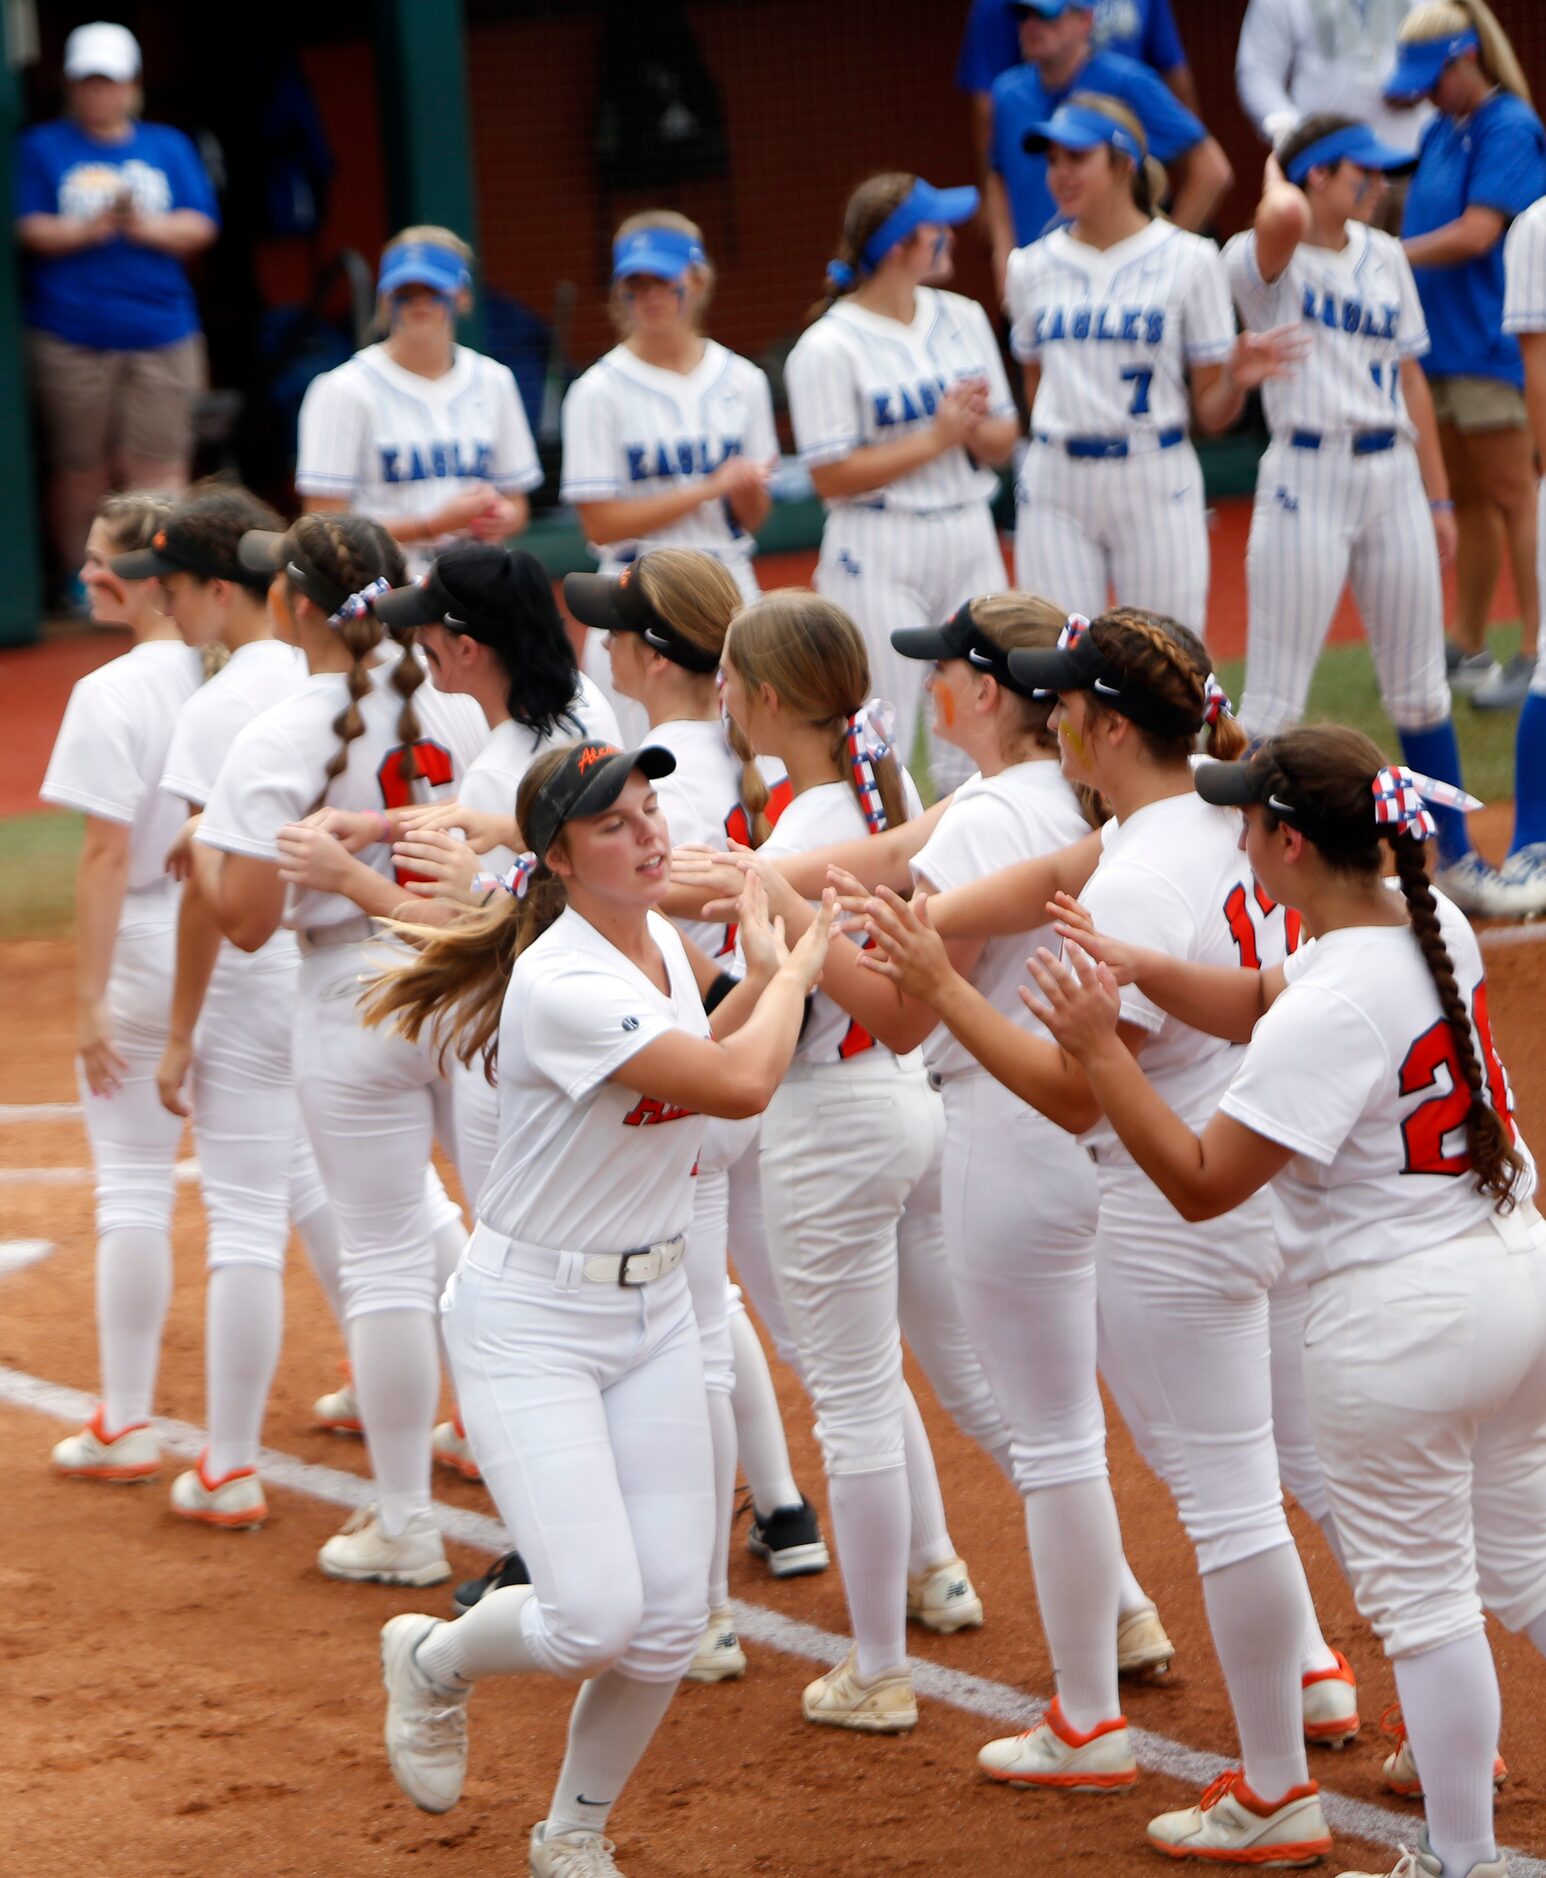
(875, 200)
(1495, 57)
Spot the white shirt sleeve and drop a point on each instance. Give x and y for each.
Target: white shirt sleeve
(1001, 402)
(1017, 284)
(1140, 906)
(516, 468)
(1524, 268)
(1256, 298)
(1282, 1090)
(593, 451)
(1207, 313)
(973, 838)
(262, 785)
(823, 400)
(1264, 63)
(1413, 323)
(334, 436)
(580, 1024)
(94, 767)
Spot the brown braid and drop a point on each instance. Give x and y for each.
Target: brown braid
(1154, 652)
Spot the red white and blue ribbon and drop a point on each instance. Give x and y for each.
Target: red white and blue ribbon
(1400, 795)
(870, 733)
(359, 603)
(1073, 632)
(515, 880)
(1215, 701)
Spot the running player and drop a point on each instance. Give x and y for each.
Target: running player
(569, 1321)
(427, 437)
(902, 413)
(106, 764)
(1111, 316)
(1409, 1197)
(1353, 485)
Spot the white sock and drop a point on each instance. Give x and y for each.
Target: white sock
(397, 1384)
(929, 1536)
(243, 1324)
(1256, 1612)
(1450, 1704)
(1314, 1651)
(134, 1286)
(870, 1525)
(612, 1722)
(759, 1425)
(722, 1432)
(490, 1640)
(319, 1235)
(1131, 1595)
(1076, 1548)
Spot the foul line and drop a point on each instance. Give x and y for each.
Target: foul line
(995, 1702)
(1494, 938)
(182, 1172)
(38, 1111)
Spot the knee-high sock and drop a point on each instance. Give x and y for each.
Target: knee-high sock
(134, 1286)
(611, 1724)
(1256, 1612)
(870, 1523)
(1435, 752)
(1450, 1704)
(929, 1535)
(397, 1382)
(759, 1426)
(1076, 1552)
(722, 1432)
(489, 1641)
(243, 1324)
(1314, 1651)
(319, 1235)
(1530, 773)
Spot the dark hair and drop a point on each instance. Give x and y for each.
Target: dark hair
(876, 198)
(213, 516)
(1311, 130)
(1329, 771)
(542, 680)
(1168, 660)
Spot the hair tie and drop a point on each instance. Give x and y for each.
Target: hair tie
(841, 275)
(870, 733)
(1215, 701)
(1400, 795)
(1073, 632)
(359, 603)
(519, 877)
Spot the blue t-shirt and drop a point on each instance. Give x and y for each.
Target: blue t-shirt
(119, 297)
(1496, 159)
(1020, 99)
(1139, 29)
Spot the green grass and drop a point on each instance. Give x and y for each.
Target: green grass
(37, 863)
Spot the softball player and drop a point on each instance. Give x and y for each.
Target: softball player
(1110, 317)
(1409, 1198)
(1353, 485)
(902, 412)
(106, 764)
(577, 1360)
(360, 734)
(1183, 1307)
(427, 437)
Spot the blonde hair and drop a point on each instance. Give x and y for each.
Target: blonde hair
(1022, 619)
(132, 518)
(431, 235)
(1443, 19)
(702, 271)
(1149, 178)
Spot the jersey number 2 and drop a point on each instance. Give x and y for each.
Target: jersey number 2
(1423, 1131)
(435, 767)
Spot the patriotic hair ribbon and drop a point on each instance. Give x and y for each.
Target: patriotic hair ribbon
(359, 603)
(1215, 701)
(1400, 795)
(1073, 632)
(870, 733)
(519, 877)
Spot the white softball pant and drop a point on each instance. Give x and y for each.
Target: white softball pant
(585, 1406)
(133, 1138)
(887, 568)
(1133, 524)
(1427, 1383)
(372, 1102)
(726, 1145)
(1323, 519)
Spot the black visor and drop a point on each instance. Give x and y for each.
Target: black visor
(267, 551)
(620, 606)
(960, 638)
(1081, 666)
(590, 779)
(171, 552)
(470, 588)
(1258, 782)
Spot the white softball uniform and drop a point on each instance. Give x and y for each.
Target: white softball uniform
(393, 444)
(1339, 495)
(256, 1166)
(1524, 311)
(1425, 1347)
(107, 761)
(1110, 492)
(912, 552)
(584, 1400)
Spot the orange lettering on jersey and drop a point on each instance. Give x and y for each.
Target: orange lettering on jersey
(650, 1109)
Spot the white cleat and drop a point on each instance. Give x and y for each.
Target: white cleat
(1143, 1649)
(571, 1855)
(840, 1699)
(1422, 1864)
(234, 1502)
(1330, 1698)
(1482, 892)
(363, 1551)
(1053, 1755)
(1231, 1826)
(944, 1599)
(426, 1726)
(449, 1447)
(339, 1411)
(719, 1657)
(131, 1455)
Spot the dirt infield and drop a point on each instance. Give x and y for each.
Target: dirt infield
(185, 1702)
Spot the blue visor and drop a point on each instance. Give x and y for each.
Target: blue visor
(1073, 127)
(1050, 9)
(924, 203)
(1357, 144)
(662, 253)
(1420, 63)
(423, 264)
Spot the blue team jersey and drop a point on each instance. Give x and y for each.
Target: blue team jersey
(1020, 99)
(1496, 159)
(119, 297)
(1139, 29)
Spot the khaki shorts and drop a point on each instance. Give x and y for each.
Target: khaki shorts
(94, 406)
(1468, 404)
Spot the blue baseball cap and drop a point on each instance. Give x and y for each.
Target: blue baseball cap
(1050, 9)
(1420, 63)
(423, 264)
(1076, 127)
(923, 203)
(662, 253)
(1354, 142)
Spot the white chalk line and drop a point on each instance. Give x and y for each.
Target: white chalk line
(15, 1253)
(1496, 938)
(995, 1702)
(183, 1172)
(38, 1111)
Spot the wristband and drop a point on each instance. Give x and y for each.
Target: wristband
(1445, 507)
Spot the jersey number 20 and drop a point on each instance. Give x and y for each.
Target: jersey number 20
(1423, 1131)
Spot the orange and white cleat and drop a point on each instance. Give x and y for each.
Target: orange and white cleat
(449, 1447)
(1399, 1770)
(1331, 1705)
(131, 1455)
(1056, 1756)
(339, 1410)
(234, 1501)
(1231, 1825)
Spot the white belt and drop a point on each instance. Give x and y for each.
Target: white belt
(347, 932)
(640, 1265)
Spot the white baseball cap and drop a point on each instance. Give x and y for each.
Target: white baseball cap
(102, 50)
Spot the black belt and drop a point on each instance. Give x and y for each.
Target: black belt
(1363, 442)
(1109, 448)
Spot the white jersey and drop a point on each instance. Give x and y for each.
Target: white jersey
(1114, 329)
(1524, 272)
(254, 677)
(393, 444)
(583, 1164)
(112, 744)
(1380, 1166)
(856, 378)
(634, 430)
(1358, 307)
(993, 822)
(815, 819)
(278, 766)
(493, 779)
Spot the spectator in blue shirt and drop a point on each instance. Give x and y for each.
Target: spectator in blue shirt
(1139, 29)
(1056, 45)
(107, 211)
(1481, 162)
